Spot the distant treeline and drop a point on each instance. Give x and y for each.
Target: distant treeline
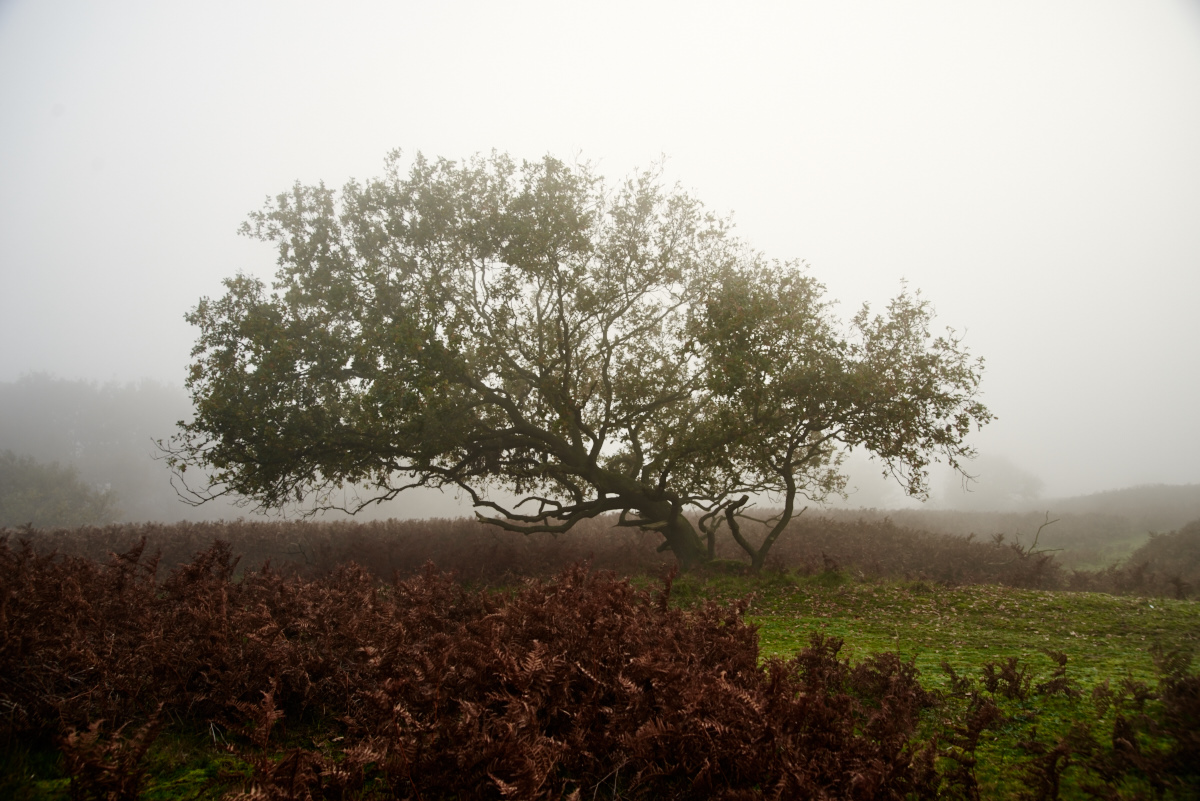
(1167, 565)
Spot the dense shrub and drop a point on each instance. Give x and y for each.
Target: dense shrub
(1175, 556)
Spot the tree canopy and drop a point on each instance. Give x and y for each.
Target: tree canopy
(493, 326)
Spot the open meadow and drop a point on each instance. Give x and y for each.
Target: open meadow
(202, 676)
(1105, 640)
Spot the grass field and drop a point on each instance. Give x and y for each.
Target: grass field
(1105, 638)
(1102, 635)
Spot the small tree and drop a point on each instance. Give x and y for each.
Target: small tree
(49, 495)
(486, 325)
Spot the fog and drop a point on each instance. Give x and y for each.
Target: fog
(1031, 167)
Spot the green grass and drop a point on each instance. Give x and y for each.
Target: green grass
(1104, 637)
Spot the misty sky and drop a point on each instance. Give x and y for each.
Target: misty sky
(1032, 167)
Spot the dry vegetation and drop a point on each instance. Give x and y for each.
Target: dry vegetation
(426, 689)
(328, 663)
(864, 544)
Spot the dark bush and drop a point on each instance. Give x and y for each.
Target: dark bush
(1175, 557)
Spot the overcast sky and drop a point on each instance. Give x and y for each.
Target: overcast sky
(1032, 167)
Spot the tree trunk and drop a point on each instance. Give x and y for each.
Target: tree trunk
(685, 544)
(679, 535)
(758, 556)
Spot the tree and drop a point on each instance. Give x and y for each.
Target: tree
(49, 495)
(491, 326)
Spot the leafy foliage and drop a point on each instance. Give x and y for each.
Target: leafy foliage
(491, 326)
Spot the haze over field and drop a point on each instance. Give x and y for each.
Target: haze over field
(1032, 168)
